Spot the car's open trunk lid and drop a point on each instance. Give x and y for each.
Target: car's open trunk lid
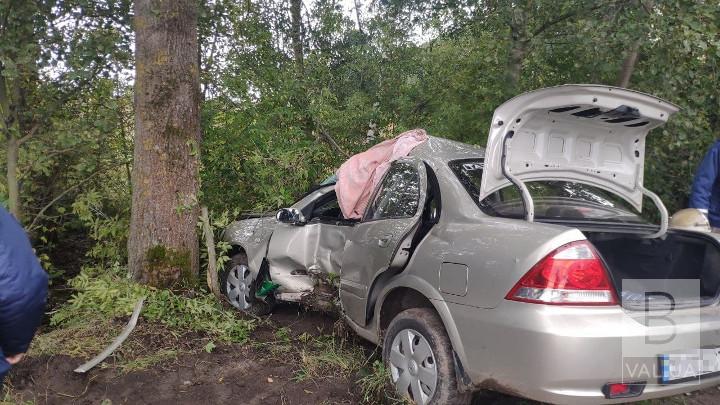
(661, 265)
(580, 133)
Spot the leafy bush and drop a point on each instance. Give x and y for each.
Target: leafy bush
(110, 295)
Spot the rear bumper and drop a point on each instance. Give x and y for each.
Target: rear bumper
(565, 355)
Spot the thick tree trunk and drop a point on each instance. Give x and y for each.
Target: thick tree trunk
(296, 36)
(628, 66)
(518, 51)
(163, 243)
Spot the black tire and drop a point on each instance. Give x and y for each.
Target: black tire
(258, 306)
(427, 323)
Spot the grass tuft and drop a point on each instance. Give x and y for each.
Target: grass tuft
(376, 387)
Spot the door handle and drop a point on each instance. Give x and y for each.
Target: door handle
(384, 241)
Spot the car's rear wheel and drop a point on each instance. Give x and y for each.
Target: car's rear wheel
(239, 285)
(418, 353)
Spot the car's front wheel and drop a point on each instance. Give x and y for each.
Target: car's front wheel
(418, 353)
(239, 285)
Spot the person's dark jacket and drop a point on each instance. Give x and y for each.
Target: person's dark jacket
(23, 290)
(705, 193)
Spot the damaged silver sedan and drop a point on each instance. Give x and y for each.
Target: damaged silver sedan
(524, 267)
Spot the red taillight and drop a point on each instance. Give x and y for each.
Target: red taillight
(616, 390)
(623, 390)
(571, 275)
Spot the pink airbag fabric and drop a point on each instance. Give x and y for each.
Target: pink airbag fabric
(359, 176)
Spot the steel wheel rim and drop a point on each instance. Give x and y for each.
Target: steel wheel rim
(238, 286)
(412, 366)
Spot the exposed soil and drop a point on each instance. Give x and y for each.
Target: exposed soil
(241, 374)
(230, 374)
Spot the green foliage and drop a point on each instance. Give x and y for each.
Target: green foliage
(108, 233)
(250, 165)
(268, 131)
(107, 294)
(260, 152)
(218, 223)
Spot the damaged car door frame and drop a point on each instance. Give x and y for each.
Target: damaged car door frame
(383, 240)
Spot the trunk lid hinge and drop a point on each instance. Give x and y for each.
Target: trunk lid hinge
(664, 217)
(528, 203)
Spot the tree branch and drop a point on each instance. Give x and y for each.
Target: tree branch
(29, 135)
(564, 17)
(329, 140)
(39, 215)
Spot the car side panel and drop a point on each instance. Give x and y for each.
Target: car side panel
(290, 254)
(298, 254)
(329, 252)
(497, 253)
(252, 235)
(412, 281)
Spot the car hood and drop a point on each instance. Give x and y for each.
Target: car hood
(581, 133)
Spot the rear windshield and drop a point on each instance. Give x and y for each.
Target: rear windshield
(553, 199)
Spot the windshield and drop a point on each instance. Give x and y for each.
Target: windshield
(553, 199)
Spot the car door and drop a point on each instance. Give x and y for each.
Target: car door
(292, 247)
(382, 239)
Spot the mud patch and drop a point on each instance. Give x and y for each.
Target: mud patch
(251, 373)
(228, 375)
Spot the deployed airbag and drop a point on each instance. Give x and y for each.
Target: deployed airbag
(359, 175)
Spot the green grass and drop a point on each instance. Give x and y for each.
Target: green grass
(145, 362)
(376, 386)
(81, 338)
(327, 356)
(176, 323)
(111, 296)
(170, 323)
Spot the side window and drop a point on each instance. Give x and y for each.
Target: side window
(399, 193)
(327, 207)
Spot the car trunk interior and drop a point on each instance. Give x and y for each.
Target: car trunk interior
(677, 256)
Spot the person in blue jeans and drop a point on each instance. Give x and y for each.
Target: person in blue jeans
(705, 193)
(23, 292)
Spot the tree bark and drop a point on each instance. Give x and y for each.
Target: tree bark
(628, 66)
(163, 244)
(519, 44)
(296, 37)
(358, 16)
(9, 126)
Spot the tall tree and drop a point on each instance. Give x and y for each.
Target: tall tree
(640, 20)
(296, 37)
(163, 243)
(51, 53)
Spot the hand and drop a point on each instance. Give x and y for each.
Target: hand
(15, 359)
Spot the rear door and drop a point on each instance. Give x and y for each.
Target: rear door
(382, 239)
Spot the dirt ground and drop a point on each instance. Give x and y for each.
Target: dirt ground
(240, 374)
